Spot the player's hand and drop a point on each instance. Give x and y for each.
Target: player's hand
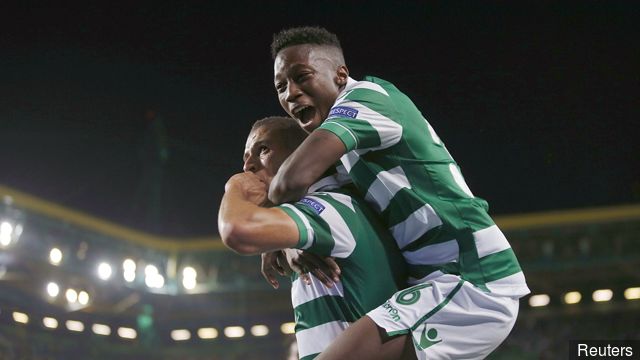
(274, 263)
(253, 188)
(304, 263)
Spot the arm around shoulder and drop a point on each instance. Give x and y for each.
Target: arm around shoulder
(317, 153)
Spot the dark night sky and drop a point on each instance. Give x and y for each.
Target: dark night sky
(539, 104)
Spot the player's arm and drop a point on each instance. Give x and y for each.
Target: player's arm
(247, 228)
(319, 151)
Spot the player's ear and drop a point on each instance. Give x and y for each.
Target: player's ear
(342, 74)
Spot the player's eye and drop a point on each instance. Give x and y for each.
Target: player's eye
(281, 87)
(263, 150)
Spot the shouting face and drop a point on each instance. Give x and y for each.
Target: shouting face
(308, 79)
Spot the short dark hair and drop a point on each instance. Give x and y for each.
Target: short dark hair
(292, 134)
(303, 35)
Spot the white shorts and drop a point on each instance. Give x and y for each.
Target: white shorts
(448, 318)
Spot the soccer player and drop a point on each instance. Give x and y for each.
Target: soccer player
(467, 280)
(328, 221)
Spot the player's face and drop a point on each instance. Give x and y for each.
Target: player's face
(308, 82)
(263, 153)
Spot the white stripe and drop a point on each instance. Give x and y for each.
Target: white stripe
(302, 293)
(343, 239)
(388, 130)
(343, 199)
(490, 241)
(418, 223)
(316, 339)
(371, 86)
(350, 159)
(303, 218)
(512, 285)
(330, 182)
(459, 179)
(385, 187)
(441, 253)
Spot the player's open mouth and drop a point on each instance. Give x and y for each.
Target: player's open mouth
(304, 114)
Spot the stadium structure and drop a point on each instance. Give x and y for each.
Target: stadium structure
(73, 286)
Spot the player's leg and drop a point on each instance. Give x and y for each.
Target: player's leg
(365, 340)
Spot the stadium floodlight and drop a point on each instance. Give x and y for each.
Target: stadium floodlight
(602, 295)
(20, 317)
(73, 325)
(104, 271)
(127, 333)
(153, 279)
(6, 230)
(572, 297)
(83, 297)
(189, 278)
(101, 329)
(539, 300)
(180, 335)
(55, 256)
(632, 293)
(234, 331)
(129, 270)
(288, 328)
(207, 333)
(50, 322)
(53, 289)
(71, 295)
(259, 330)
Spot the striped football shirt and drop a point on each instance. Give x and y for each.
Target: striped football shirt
(403, 169)
(340, 225)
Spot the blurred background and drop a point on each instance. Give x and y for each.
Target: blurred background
(119, 126)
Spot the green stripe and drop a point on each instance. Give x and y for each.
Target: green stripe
(309, 357)
(499, 265)
(343, 134)
(440, 306)
(323, 242)
(420, 271)
(323, 310)
(302, 229)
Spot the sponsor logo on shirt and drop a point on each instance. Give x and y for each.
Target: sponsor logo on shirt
(428, 338)
(343, 111)
(393, 312)
(316, 206)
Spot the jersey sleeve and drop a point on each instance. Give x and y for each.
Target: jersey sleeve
(323, 226)
(363, 118)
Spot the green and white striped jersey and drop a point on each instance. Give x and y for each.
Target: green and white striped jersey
(336, 224)
(403, 169)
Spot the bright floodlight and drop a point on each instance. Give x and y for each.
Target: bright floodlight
(71, 295)
(189, 272)
(539, 300)
(259, 330)
(154, 280)
(189, 283)
(127, 333)
(129, 265)
(572, 297)
(101, 329)
(74, 325)
(632, 293)
(104, 271)
(180, 335)
(83, 297)
(6, 229)
(602, 295)
(288, 328)
(234, 331)
(20, 317)
(52, 289)
(150, 270)
(207, 333)
(55, 256)
(50, 322)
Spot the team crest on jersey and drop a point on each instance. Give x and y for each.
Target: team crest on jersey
(343, 111)
(314, 205)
